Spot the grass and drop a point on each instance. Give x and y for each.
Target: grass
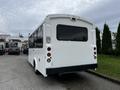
(109, 65)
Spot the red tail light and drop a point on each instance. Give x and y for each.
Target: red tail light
(49, 48)
(95, 53)
(48, 54)
(94, 48)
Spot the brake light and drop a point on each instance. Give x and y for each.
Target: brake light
(95, 53)
(48, 54)
(94, 48)
(49, 48)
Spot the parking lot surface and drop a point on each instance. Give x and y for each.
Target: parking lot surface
(17, 74)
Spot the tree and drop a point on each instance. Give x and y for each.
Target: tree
(118, 41)
(106, 40)
(98, 40)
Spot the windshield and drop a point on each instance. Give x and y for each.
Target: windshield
(12, 45)
(1, 47)
(71, 33)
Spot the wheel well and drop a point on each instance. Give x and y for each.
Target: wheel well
(33, 63)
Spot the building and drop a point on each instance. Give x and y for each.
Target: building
(6, 39)
(20, 41)
(4, 36)
(3, 39)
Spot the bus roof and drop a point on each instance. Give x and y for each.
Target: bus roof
(54, 16)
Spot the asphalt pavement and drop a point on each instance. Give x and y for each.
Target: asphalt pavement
(17, 74)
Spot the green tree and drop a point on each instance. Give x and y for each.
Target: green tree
(118, 41)
(106, 40)
(98, 40)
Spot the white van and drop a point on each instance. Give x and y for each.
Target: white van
(62, 44)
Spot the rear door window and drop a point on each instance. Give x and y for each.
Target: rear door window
(71, 33)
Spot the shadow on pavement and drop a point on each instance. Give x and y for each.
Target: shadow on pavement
(72, 81)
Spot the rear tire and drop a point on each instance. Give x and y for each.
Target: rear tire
(35, 70)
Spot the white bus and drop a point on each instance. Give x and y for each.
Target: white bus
(63, 44)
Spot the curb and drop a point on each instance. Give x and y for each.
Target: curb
(104, 76)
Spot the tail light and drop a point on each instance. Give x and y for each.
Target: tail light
(94, 48)
(49, 48)
(48, 54)
(95, 53)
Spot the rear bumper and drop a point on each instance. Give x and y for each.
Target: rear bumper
(50, 71)
(13, 52)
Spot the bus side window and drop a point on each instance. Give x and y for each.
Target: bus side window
(36, 39)
(39, 38)
(31, 42)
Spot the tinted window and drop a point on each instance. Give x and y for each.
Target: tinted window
(72, 33)
(31, 43)
(36, 39)
(7, 45)
(14, 45)
(39, 39)
(1, 47)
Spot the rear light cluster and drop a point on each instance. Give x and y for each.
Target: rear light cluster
(49, 54)
(49, 49)
(95, 53)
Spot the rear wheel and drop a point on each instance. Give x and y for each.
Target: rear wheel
(35, 70)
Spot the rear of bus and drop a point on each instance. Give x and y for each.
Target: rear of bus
(72, 44)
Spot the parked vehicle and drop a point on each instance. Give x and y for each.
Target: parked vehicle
(62, 44)
(25, 51)
(2, 50)
(6, 46)
(13, 49)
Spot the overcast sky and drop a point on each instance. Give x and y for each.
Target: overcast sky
(23, 16)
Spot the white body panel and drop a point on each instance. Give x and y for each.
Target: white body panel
(64, 53)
